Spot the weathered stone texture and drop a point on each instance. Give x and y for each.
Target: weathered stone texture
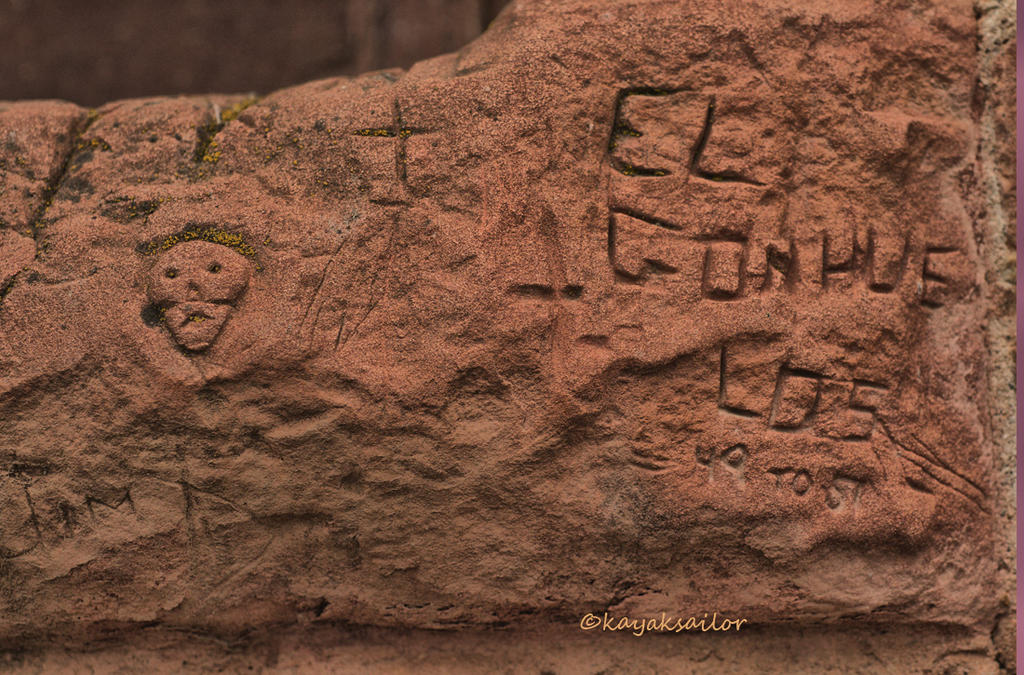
(630, 306)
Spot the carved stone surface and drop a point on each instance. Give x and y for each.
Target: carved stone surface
(193, 286)
(648, 306)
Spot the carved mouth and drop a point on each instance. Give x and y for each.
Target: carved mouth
(199, 316)
(195, 325)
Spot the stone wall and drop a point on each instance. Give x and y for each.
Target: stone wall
(626, 308)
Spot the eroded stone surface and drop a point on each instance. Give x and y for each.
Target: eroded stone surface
(636, 306)
(38, 138)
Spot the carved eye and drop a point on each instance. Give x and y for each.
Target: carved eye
(214, 268)
(171, 273)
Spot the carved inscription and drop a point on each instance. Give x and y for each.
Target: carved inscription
(19, 528)
(677, 209)
(791, 398)
(728, 463)
(37, 514)
(723, 269)
(796, 398)
(642, 248)
(838, 492)
(940, 283)
(394, 133)
(695, 199)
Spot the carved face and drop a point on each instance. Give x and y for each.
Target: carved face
(197, 284)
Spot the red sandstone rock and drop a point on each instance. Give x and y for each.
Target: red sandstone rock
(643, 307)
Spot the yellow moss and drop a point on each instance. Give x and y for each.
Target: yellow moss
(232, 240)
(373, 132)
(212, 154)
(630, 170)
(93, 143)
(234, 111)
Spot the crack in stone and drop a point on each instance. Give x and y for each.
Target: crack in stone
(76, 130)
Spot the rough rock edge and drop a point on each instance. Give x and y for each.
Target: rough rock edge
(64, 152)
(997, 21)
(996, 35)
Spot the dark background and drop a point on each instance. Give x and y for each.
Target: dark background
(95, 51)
